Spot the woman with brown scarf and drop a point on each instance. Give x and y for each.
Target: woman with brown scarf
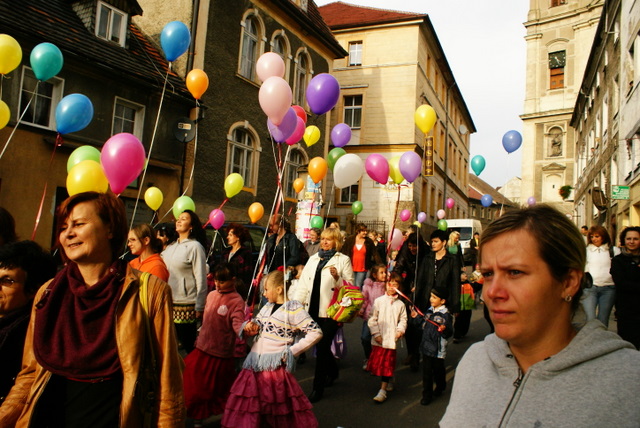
(85, 346)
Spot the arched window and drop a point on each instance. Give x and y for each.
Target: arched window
(250, 46)
(303, 73)
(242, 153)
(297, 158)
(280, 45)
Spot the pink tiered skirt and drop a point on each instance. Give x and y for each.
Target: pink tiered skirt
(268, 398)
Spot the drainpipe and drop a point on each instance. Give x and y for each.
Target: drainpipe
(446, 147)
(194, 28)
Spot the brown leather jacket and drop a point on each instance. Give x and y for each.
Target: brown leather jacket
(17, 408)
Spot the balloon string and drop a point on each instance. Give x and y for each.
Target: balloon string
(393, 225)
(219, 208)
(58, 143)
(333, 188)
(19, 120)
(195, 150)
(153, 139)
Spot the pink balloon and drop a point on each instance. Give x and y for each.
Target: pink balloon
(450, 203)
(216, 219)
(297, 134)
(410, 166)
(441, 214)
(275, 98)
(270, 64)
(405, 215)
(122, 158)
(377, 168)
(395, 239)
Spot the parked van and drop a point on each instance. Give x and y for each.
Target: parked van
(466, 227)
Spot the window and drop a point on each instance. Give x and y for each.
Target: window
(249, 47)
(295, 161)
(557, 61)
(303, 67)
(280, 45)
(349, 195)
(127, 117)
(241, 151)
(111, 24)
(41, 98)
(355, 53)
(353, 111)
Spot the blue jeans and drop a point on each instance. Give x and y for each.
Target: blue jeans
(602, 298)
(359, 278)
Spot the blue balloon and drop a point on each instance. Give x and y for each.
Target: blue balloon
(486, 200)
(511, 141)
(46, 61)
(175, 39)
(73, 113)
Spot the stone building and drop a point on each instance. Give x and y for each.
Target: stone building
(559, 36)
(108, 59)
(396, 64)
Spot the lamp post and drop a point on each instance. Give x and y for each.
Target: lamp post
(446, 145)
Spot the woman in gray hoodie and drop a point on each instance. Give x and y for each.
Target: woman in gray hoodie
(539, 369)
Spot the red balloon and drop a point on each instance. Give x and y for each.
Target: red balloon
(300, 113)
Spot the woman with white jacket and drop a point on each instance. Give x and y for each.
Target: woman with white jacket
(602, 294)
(324, 272)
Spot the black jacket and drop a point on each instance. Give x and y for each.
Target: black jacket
(447, 276)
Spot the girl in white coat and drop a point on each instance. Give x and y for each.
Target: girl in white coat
(324, 272)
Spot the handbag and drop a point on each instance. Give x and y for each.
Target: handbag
(345, 304)
(147, 383)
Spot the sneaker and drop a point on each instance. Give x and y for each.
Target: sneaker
(380, 397)
(364, 364)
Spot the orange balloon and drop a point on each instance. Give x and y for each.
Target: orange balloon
(197, 82)
(256, 211)
(298, 185)
(317, 169)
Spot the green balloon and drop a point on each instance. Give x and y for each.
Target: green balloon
(334, 155)
(317, 222)
(182, 204)
(83, 153)
(356, 207)
(442, 224)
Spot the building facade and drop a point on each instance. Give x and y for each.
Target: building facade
(108, 59)
(396, 64)
(559, 37)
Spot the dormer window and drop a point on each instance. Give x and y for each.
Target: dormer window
(111, 23)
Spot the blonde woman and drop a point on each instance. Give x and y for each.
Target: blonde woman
(454, 247)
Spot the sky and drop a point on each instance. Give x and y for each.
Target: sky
(483, 41)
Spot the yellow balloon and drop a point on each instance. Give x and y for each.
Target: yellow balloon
(298, 185)
(87, 176)
(311, 135)
(317, 169)
(5, 114)
(425, 118)
(153, 197)
(256, 211)
(394, 170)
(10, 54)
(233, 184)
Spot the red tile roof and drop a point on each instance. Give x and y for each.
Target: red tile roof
(344, 15)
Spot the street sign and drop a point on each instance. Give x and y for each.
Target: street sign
(619, 192)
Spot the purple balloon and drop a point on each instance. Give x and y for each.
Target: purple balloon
(422, 217)
(341, 135)
(377, 168)
(531, 201)
(511, 141)
(323, 93)
(281, 132)
(410, 166)
(486, 200)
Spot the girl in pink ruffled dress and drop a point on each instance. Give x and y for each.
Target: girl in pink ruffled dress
(265, 392)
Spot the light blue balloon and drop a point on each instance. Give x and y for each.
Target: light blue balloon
(486, 200)
(511, 141)
(46, 61)
(73, 113)
(175, 39)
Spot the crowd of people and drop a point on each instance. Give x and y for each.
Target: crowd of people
(97, 342)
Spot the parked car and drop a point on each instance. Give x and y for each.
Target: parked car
(218, 241)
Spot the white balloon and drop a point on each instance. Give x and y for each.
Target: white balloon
(347, 170)
(395, 239)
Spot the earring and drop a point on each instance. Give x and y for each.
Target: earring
(568, 298)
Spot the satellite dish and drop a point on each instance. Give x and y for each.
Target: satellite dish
(184, 129)
(463, 130)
